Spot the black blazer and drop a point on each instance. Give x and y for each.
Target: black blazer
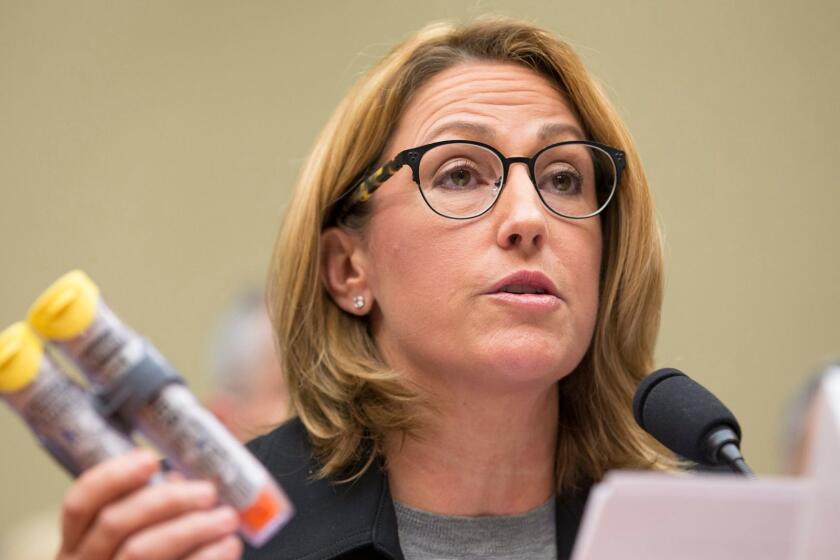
(349, 521)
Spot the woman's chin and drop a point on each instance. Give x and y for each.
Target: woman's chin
(524, 365)
(529, 371)
(517, 359)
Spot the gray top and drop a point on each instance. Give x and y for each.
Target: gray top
(525, 536)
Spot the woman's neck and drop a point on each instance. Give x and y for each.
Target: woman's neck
(489, 454)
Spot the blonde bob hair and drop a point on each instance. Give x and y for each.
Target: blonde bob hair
(341, 389)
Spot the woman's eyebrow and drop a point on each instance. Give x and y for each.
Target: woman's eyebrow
(546, 133)
(550, 131)
(471, 128)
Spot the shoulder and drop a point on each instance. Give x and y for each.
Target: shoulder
(330, 519)
(284, 450)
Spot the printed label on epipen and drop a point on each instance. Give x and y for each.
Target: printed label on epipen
(61, 413)
(107, 349)
(200, 447)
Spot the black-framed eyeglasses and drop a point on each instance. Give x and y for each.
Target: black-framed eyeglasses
(463, 179)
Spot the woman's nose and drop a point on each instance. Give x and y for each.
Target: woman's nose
(522, 220)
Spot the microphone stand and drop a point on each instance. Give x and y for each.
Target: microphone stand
(722, 446)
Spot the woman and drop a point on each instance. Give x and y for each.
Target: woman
(465, 292)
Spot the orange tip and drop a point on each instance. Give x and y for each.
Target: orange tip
(263, 511)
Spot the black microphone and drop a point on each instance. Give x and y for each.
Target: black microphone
(689, 420)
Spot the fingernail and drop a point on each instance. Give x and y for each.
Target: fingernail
(205, 491)
(227, 516)
(145, 459)
(145, 454)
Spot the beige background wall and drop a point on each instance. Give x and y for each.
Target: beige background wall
(153, 144)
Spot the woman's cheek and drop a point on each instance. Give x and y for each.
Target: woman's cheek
(415, 257)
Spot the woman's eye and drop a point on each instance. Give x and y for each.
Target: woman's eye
(563, 181)
(458, 177)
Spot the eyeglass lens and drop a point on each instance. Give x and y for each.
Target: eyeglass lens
(464, 180)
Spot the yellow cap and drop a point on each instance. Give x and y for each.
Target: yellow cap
(20, 356)
(65, 309)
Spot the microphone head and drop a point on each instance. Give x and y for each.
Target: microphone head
(681, 414)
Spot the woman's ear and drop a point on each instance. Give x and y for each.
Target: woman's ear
(344, 270)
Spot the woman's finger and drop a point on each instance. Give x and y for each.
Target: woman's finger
(174, 475)
(229, 548)
(146, 507)
(99, 486)
(180, 536)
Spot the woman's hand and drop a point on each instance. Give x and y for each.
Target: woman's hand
(112, 512)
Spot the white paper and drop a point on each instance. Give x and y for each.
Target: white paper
(652, 516)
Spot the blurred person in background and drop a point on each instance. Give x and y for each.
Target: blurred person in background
(800, 428)
(249, 393)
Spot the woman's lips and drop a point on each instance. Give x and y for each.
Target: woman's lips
(525, 280)
(535, 302)
(526, 289)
